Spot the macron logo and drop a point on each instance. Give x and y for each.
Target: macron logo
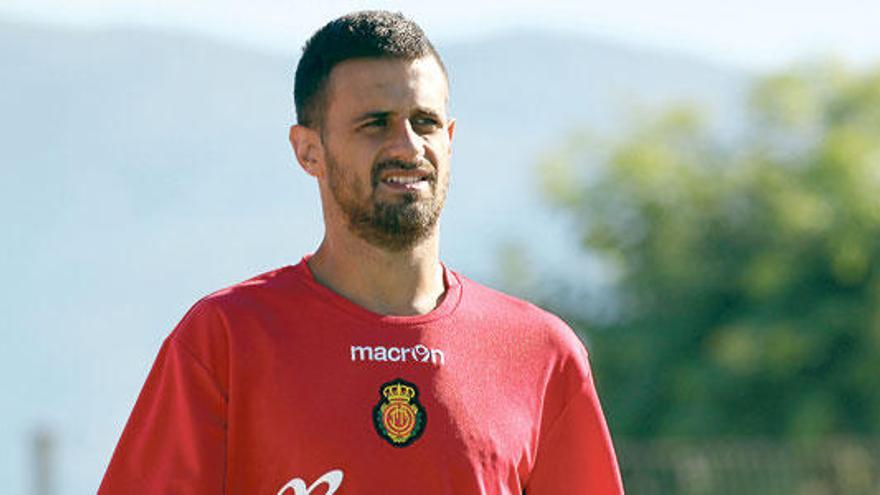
(415, 354)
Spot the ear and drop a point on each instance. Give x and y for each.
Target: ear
(309, 151)
(450, 129)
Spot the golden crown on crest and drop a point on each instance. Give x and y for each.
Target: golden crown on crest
(399, 391)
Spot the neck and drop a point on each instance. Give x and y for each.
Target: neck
(404, 283)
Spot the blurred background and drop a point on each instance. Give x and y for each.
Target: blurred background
(694, 188)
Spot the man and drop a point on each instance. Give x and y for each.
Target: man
(368, 367)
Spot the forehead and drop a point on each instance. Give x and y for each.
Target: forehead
(387, 85)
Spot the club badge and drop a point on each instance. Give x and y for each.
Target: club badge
(398, 417)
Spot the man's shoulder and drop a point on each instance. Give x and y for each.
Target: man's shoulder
(267, 284)
(516, 312)
(246, 296)
(211, 315)
(483, 295)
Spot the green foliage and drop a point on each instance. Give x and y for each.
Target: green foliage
(747, 274)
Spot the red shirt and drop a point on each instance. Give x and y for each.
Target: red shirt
(277, 385)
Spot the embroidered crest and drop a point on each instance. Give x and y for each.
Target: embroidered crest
(398, 417)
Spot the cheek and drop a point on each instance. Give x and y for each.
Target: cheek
(439, 147)
(354, 162)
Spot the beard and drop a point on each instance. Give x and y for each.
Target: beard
(393, 224)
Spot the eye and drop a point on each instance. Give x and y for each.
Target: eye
(426, 123)
(375, 124)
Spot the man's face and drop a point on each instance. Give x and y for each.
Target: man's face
(387, 142)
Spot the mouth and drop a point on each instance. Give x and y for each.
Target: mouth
(406, 180)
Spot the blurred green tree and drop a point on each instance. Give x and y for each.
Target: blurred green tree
(746, 274)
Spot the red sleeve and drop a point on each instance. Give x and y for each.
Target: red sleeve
(174, 441)
(575, 453)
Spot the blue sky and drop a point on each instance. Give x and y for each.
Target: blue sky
(750, 34)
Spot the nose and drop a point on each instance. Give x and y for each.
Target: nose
(406, 144)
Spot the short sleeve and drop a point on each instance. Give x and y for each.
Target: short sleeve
(575, 452)
(174, 441)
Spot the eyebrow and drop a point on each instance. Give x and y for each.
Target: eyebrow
(371, 115)
(429, 113)
(385, 114)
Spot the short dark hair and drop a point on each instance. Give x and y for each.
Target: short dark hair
(365, 34)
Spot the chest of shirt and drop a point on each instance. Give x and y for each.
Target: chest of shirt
(405, 409)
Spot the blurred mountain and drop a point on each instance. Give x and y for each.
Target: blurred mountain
(140, 170)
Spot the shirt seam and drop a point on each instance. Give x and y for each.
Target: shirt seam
(186, 349)
(554, 424)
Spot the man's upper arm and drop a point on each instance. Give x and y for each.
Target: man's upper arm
(175, 438)
(575, 453)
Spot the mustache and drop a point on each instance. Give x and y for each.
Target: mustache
(379, 167)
